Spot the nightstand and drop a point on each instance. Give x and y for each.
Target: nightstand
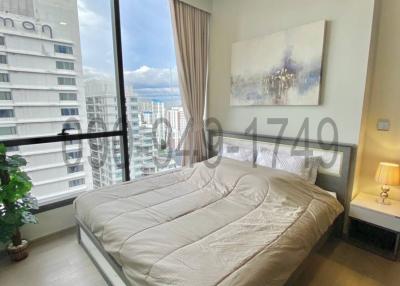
(375, 227)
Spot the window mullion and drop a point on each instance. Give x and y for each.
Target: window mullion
(116, 24)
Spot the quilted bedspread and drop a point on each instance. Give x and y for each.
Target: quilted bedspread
(229, 225)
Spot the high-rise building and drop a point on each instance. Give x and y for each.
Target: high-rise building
(149, 154)
(138, 155)
(43, 91)
(150, 112)
(40, 91)
(103, 115)
(177, 120)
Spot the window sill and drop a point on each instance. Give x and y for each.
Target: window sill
(54, 205)
(47, 204)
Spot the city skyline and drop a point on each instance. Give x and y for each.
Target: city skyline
(149, 58)
(45, 87)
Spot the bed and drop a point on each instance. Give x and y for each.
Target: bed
(228, 225)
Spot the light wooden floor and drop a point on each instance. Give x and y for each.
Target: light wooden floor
(60, 261)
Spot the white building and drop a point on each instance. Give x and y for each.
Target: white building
(135, 122)
(177, 120)
(103, 115)
(40, 89)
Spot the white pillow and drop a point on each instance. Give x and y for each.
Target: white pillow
(265, 157)
(313, 165)
(292, 164)
(299, 166)
(237, 152)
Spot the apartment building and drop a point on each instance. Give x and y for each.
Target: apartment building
(41, 92)
(103, 115)
(177, 121)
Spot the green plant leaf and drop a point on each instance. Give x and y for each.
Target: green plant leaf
(16, 200)
(11, 218)
(3, 149)
(28, 217)
(6, 232)
(31, 202)
(16, 161)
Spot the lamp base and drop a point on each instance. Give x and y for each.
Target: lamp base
(382, 201)
(384, 195)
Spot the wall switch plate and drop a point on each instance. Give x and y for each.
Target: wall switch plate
(383, 125)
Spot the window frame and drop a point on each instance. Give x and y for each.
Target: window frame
(5, 76)
(69, 111)
(71, 126)
(75, 168)
(66, 96)
(67, 49)
(5, 62)
(121, 102)
(10, 111)
(80, 181)
(65, 65)
(5, 95)
(14, 132)
(66, 81)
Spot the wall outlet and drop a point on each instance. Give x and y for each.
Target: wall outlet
(383, 125)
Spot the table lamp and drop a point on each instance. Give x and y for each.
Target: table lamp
(387, 175)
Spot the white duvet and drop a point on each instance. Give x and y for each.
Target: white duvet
(231, 225)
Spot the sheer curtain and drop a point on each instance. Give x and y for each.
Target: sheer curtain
(191, 26)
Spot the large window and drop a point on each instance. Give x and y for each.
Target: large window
(62, 170)
(68, 120)
(77, 73)
(151, 84)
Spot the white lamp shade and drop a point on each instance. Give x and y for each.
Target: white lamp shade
(388, 174)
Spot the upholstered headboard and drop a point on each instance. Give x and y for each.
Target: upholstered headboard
(335, 173)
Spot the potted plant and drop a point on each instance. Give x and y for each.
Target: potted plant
(16, 203)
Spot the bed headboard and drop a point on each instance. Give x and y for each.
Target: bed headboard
(335, 174)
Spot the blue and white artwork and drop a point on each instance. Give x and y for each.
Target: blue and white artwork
(279, 69)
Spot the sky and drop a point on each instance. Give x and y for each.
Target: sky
(147, 40)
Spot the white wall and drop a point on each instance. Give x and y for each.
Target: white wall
(49, 222)
(345, 65)
(385, 101)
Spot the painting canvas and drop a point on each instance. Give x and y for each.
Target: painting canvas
(279, 69)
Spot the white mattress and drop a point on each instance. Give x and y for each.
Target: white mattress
(232, 225)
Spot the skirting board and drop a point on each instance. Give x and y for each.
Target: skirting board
(3, 251)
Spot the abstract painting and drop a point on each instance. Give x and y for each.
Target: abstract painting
(279, 69)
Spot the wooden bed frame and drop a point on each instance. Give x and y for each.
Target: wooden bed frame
(341, 185)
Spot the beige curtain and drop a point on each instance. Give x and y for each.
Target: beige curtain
(191, 43)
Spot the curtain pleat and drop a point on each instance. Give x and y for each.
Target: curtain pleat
(191, 27)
